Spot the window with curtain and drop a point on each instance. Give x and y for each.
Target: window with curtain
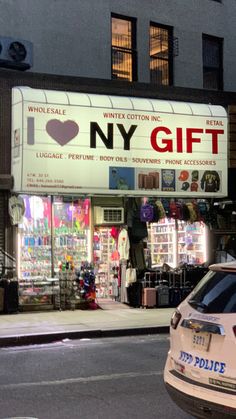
(161, 54)
(124, 55)
(212, 57)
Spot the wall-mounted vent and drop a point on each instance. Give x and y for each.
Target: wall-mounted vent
(105, 215)
(16, 53)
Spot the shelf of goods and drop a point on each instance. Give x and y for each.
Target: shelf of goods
(105, 263)
(74, 244)
(35, 259)
(36, 251)
(38, 291)
(175, 242)
(195, 243)
(162, 242)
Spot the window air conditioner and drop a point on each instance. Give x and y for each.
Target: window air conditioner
(16, 53)
(105, 215)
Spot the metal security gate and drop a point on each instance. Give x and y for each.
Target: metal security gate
(2, 226)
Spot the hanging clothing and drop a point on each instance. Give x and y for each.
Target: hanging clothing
(123, 288)
(137, 256)
(123, 244)
(115, 289)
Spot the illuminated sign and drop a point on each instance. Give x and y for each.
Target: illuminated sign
(65, 142)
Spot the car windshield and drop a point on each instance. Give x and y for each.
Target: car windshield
(216, 293)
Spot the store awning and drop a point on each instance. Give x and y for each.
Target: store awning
(41, 96)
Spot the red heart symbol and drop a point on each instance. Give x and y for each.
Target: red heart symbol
(62, 132)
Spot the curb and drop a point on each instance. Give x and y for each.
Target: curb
(23, 340)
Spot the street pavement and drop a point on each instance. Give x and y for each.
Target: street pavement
(111, 319)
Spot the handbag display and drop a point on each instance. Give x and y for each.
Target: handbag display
(131, 276)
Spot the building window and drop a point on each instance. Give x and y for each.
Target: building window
(124, 56)
(212, 57)
(161, 54)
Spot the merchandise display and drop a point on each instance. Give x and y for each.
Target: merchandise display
(176, 242)
(68, 228)
(193, 248)
(35, 259)
(161, 241)
(106, 262)
(72, 289)
(53, 233)
(71, 231)
(76, 287)
(38, 290)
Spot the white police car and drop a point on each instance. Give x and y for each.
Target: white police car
(200, 370)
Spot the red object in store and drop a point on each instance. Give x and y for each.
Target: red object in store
(114, 233)
(115, 255)
(184, 175)
(194, 187)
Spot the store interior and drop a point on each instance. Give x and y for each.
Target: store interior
(61, 244)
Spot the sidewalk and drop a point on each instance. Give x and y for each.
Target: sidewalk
(112, 320)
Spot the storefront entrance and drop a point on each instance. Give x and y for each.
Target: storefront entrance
(65, 261)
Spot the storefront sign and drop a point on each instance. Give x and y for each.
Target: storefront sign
(75, 143)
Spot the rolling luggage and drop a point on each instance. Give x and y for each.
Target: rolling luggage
(174, 289)
(157, 280)
(174, 296)
(150, 279)
(162, 294)
(149, 297)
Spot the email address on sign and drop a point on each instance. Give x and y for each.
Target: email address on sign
(36, 185)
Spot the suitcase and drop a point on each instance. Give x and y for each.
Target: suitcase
(141, 180)
(148, 182)
(149, 280)
(155, 176)
(174, 296)
(162, 295)
(11, 298)
(149, 297)
(175, 281)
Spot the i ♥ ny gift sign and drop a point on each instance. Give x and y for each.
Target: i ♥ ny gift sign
(62, 131)
(65, 142)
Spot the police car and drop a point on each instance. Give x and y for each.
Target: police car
(200, 370)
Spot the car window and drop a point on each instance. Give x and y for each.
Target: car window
(216, 293)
